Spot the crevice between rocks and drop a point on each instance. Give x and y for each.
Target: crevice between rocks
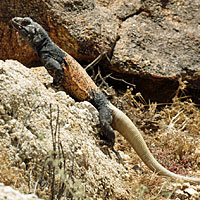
(139, 11)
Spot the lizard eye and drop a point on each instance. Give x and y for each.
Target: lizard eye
(25, 22)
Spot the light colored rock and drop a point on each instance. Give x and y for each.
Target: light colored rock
(8, 193)
(125, 8)
(192, 192)
(177, 185)
(181, 194)
(186, 185)
(26, 137)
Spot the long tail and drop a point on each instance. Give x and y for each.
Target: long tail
(126, 127)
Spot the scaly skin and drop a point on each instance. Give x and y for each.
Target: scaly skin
(67, 72)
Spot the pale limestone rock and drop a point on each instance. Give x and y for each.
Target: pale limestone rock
(25, 136)
(8, 193)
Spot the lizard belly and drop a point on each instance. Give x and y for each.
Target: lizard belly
(77, 82)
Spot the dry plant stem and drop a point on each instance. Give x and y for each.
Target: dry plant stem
(102, 79)
(57, 151)
(122, 80)
(95, 61)
(53, 134)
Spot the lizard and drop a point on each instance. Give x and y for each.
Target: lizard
(67, 72)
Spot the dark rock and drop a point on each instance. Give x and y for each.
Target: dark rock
(159, 46)
(125, 8)
(83, 28)
(152, 43)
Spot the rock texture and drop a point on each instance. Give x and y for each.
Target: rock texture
(153, 44)
(28, 156)
(38, 140)
(7, 193)
(82, 28)
(160, 45)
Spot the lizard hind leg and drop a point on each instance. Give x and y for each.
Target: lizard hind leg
(101, 103)
(108, 134)
(105, 117)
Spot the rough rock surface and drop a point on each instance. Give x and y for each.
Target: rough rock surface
(26, 141)
(7, 193)
(82, 28)
(153, 43)
(160, 45)
(30, 150)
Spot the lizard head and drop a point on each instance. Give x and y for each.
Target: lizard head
(31, 31)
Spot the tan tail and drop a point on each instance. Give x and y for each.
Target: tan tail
(126, 127)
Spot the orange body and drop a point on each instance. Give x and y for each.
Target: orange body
(77, 82)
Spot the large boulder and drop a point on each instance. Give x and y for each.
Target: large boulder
(153, 44)
(41, 130)
(159, 47)
(82, 28)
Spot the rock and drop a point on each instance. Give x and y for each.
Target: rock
(7, 193)
(80, 27)
(180, 194)
(30, 112)
(158, 46)
(177, 185)
(153, 44)
(125, 8)
(192, 192)
(186, 185)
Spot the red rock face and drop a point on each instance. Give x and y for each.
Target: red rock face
(152, 43)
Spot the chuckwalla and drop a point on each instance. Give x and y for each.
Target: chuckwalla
(67, 72)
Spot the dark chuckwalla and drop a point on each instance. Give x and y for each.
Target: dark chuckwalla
(67, 72)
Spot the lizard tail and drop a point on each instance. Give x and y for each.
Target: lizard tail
(126, 127)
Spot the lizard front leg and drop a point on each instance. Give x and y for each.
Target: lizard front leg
(56, 70)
